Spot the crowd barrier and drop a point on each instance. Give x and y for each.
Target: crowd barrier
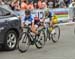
(62, 13)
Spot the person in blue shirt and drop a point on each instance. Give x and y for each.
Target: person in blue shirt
(29, 19)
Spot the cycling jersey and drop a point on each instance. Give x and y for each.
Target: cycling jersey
(27, 20)
(49, 16)
(36, 20)
(51, 13)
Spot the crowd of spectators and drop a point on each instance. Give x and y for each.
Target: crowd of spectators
(36, 4)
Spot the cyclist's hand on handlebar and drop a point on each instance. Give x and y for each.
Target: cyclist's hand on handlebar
(22, 25)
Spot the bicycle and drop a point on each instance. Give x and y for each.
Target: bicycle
(53, 34)
(27, 39)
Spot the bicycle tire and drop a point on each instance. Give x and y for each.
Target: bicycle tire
(22, 41)
(53, 37)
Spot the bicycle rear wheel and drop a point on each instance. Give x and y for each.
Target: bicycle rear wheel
(24, 43)
(56, 34)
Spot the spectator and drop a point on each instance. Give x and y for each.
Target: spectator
(1, 2)
(56, 3)
(40, 4)
(71, 12)
(73, 0)
(23, 5)
(15, 5)
(50, 3)
(30, 5)
(44, 5)
(66, 2)
(35, 1)
(72, 4)
(35, 6)
(62, 4)
(46, 1)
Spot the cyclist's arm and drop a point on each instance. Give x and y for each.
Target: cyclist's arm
(50, 16)
(33, 25)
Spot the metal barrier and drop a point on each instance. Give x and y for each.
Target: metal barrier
(62, 12)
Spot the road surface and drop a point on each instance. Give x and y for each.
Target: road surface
(64, 49)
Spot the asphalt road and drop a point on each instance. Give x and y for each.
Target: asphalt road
(64, 49)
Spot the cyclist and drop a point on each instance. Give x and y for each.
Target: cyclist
(48, 20)
(29, 19)
(48, 16)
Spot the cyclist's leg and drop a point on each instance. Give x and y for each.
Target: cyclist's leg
(34, 29)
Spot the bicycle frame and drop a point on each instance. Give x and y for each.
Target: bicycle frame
(31, 37)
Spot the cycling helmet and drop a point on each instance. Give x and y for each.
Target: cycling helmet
(27, 12)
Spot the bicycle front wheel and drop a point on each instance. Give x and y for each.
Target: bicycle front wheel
(55, 34)
(24, 43)
(40, 40)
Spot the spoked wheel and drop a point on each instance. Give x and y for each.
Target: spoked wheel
(55, 34)
(40, 40)
(24, 43)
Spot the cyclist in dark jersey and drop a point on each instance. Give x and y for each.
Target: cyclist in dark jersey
(48, 16)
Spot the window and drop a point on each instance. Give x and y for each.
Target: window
(5, 12)
(1, 12)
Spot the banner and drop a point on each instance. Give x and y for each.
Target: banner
(62, 13)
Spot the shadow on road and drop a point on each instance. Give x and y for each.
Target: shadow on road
(4, 50)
